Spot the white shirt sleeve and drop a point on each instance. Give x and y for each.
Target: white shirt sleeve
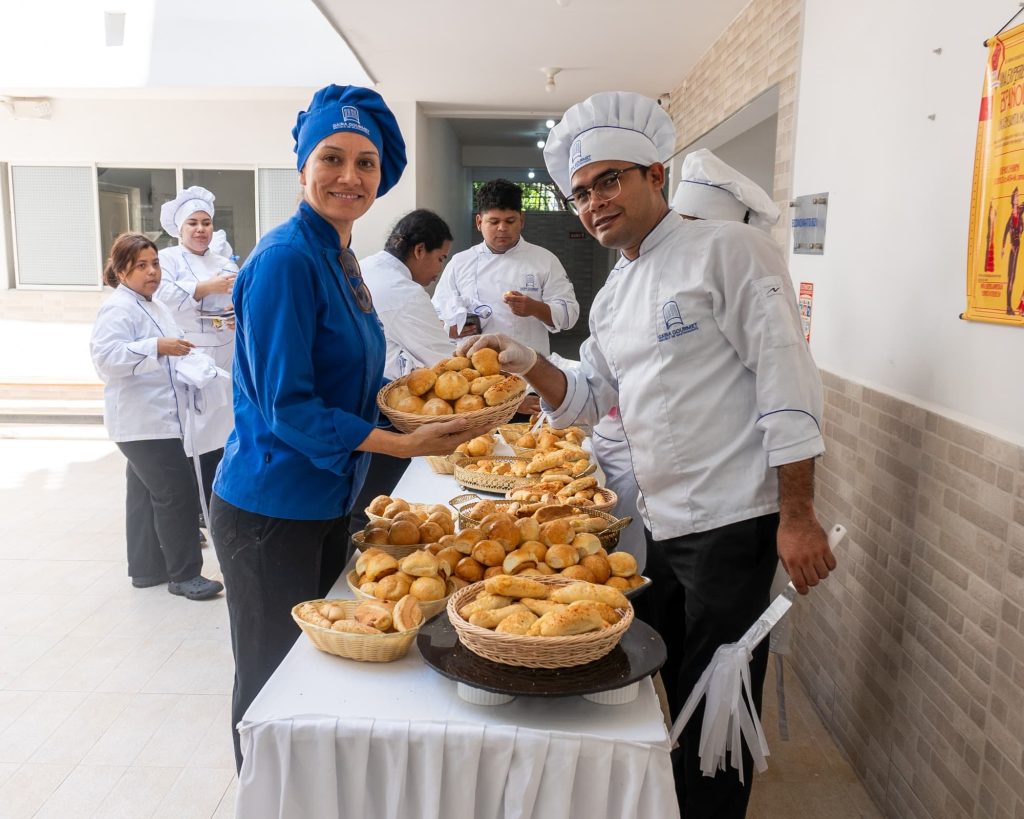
(560, 297)
(448, 301)
(591, 390)
(116, 353)
(754, 305)
(419, 332)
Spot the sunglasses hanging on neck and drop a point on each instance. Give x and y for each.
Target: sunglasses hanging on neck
(354, 276)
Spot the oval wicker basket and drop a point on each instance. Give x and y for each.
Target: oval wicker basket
(367, 648)
(510, 433)
(414, 507)
(534, 652)
(606, 504)
(609, 537)
(429, 608)
(484, 481)
(397, 552)
(409, 421)
(441, 464)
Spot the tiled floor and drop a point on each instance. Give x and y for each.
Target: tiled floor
(114, 701)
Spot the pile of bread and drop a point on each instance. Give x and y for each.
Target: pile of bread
(547, 438)
(501, 544)
(370, 617)
(563, 489)
(477, 447)
(455, 385)
(519, 605)
(402, 524)
(542, 512)
(420, 574)
(569, 463)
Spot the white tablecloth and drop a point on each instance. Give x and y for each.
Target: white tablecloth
(329, 737)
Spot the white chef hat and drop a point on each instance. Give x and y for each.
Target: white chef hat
(710, 189)
(610, 125)
(220, 245)
(191, 200)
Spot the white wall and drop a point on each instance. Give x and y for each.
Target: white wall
(890, 287)
(753, 153)
(503, 157)
(442, 184)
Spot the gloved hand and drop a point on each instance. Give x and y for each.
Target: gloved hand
(512, 356)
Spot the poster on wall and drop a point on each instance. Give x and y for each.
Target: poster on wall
(995, 288)
(805, 302)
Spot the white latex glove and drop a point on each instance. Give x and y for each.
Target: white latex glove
(512, 356)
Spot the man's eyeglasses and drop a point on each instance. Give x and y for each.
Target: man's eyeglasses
(605, 187)
(354, 277)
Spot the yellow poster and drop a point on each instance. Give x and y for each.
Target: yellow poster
(995, 288)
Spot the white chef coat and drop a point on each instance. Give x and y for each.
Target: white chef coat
(476, 280)
(142, 400)
(698, 343)
(415, 335)
(181, 270)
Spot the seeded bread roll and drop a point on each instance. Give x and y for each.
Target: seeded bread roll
(491, 618)
(502, 391)
(590, 591)
(568, 622)
(518, 623)
(478, 386)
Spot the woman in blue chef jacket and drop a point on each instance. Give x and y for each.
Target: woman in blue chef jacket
(309, 360)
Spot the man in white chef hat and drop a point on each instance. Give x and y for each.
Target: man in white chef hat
(696, 338)
(711, 189)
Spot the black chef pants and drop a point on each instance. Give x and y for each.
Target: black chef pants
(709, 588)
(160, 511)
(269, 565)
(381, 478)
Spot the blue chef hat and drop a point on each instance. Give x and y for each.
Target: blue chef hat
(352, 108)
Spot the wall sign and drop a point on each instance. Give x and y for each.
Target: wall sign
(805, 302)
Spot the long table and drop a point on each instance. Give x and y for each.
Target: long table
(329, 737)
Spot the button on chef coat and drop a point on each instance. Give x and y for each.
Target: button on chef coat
(698, 342)
(415, 335)
(141, 398)
(476, 280)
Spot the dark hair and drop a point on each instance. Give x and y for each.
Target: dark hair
(416, 227)
(123, 255)
(499, 194)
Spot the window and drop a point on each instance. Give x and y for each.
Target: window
(130, 200)
(279, 196)
(542, 197)
(235, 205)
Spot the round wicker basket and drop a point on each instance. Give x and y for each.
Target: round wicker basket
(609, 537)
(429, 608)
(367, 648)
(397, 552)
(409, 421)
(534, 652)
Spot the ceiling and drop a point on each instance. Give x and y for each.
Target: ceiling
(460, 58)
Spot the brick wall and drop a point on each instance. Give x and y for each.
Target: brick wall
(759, 49)
(914, 651)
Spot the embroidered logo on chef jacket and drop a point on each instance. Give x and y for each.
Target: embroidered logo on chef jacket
(531, 283)
(350, 119)
(674, 324)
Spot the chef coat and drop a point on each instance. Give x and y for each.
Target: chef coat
(308, 366)
(698, 343)
(142, 400)
(414, 334)
(476, 280)
(180, 271)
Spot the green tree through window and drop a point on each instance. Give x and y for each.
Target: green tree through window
(537, 196)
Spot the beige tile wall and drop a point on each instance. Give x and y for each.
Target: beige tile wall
(760, 49)
(914, 651)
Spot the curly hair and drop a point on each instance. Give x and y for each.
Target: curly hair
(499, 194)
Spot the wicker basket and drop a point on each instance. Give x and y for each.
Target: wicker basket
(510, 433)
(606, 504)
(367, 648)
(484, 481)
(441, 464)
(409, 421)
(609, 537)
(429, 608)
(397, 552)
(534, 652)
(414, 507)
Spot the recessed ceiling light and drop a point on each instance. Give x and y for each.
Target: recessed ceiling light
(531, 175)
(113, 23)
(540, 143)
(550, 123)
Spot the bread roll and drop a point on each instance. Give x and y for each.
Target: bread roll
(404, 533)
(620, 583)
(482, 509)
(555, 511)
(541, 607)
(407, 614)
(555, 532)
(578, 572)
(561, 556)
(411, 403)
(502, 529)
(545, 569)
(589, 524)
(354, 627)
(527, 441)
(518, 623)
(457, 363)
(397, 394)
(333, 611)
(370, 588)
(379, 504)
(469, 570)
(568, 622)
(365, 556)
(516, 587)
(635, 581)
(470, 403)
(590, 591)
(408, 515)
(492, 571)
(379, 566)
(469, 373)
(485, 361)
(430, 532)
(519, 559)
(375, 613)
(421, 380)
(503, 391)
(586, 543)
(451, 386)
(428, 588)
(488, 552)
(528, 528)
(623, 564)
(598, 566)
(491, 618)
(484, 602)
(478, 386)
(467, 539)
(437, 406)
(420, 564)
(393, 587)
(578, 485)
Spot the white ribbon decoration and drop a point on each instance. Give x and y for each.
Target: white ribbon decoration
(729, 714)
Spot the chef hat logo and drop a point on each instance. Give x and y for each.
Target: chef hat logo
(670, 311)
(576, 152)
(350, 114)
